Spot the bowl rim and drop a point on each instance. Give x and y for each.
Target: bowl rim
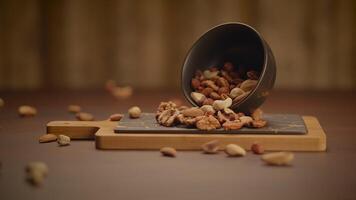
(265, 60)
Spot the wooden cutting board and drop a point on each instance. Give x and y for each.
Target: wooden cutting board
(283, 133)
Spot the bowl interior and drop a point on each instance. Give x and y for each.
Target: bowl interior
(234, 42)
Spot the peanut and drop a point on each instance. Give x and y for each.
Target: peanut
(63, 140)
(234, 150)
(278, 158)
(256, 148)
(27, 111)
(211, 147)
(168, 151)
(74, 108)
(82, 116)
(116, 117)
(134, 112)
(47, 138)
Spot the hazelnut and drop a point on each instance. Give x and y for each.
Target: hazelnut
(257, 148)
(134, 112)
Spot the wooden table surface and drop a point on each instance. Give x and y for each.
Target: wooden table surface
(79, 171)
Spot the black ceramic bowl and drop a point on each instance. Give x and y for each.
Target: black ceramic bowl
(244, 47)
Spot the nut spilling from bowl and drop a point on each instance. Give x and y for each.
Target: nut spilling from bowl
(207, 117)
(221, 84)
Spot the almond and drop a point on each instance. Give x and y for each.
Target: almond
(168, 151)
(234, 150)
(278, 158)
(211, 147)
(27, 111)
(192, 112)
(248, 85)
(82, 116)
(47, 138)
(74, 108)
(116, 117)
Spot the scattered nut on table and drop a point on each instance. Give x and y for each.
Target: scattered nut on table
(27, 111)
(134, 112)
(47, 138)
(211, 147)
(63, 140)
(2, 102)
(36, 172)
(116, 117)
(83, 116)
(122, 92)
(168, 151)
(234, 150)
(74, 108)
(257, 148)
(278, 158)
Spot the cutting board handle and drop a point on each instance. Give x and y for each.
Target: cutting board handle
(79, 129)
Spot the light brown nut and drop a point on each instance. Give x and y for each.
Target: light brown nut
(215, 96)
(228, 66)
(222, 104)
(228, 111)
(222, 82)
(241, 97)
(36, 172)
(168, 117)
(2, 103)
(63, 140)
(222, 117)
(234, 150)
(248, 85)
(192, 112)
(168, 151)
(257, 148)
(278, 158)
(198, 97)
(208, 101)
(74, 108)
(208, 109)
(195, 83)
(134, 112)
(233, 125)
(27, 111)
(257, 114)
(47, 138)
(83, 116)
(223, 90)
(246, 120)
(259, 123)
(122, 92)
(210, 74)
(211, 147)
(182, 108)
(208, 123)
(207, 91)
(236, 92)
(211, 84)
(253, 75)
(116, 117)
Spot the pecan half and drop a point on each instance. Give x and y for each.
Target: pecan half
(208, 123)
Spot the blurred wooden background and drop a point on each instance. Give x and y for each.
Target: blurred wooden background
(80, 44)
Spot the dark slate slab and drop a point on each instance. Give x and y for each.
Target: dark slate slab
(287, 124)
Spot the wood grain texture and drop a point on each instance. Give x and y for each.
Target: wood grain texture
(105, 138)
(80, 44)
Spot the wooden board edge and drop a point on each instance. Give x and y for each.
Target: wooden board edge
(315, 140)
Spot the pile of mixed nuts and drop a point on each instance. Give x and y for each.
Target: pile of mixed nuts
(215, 91)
